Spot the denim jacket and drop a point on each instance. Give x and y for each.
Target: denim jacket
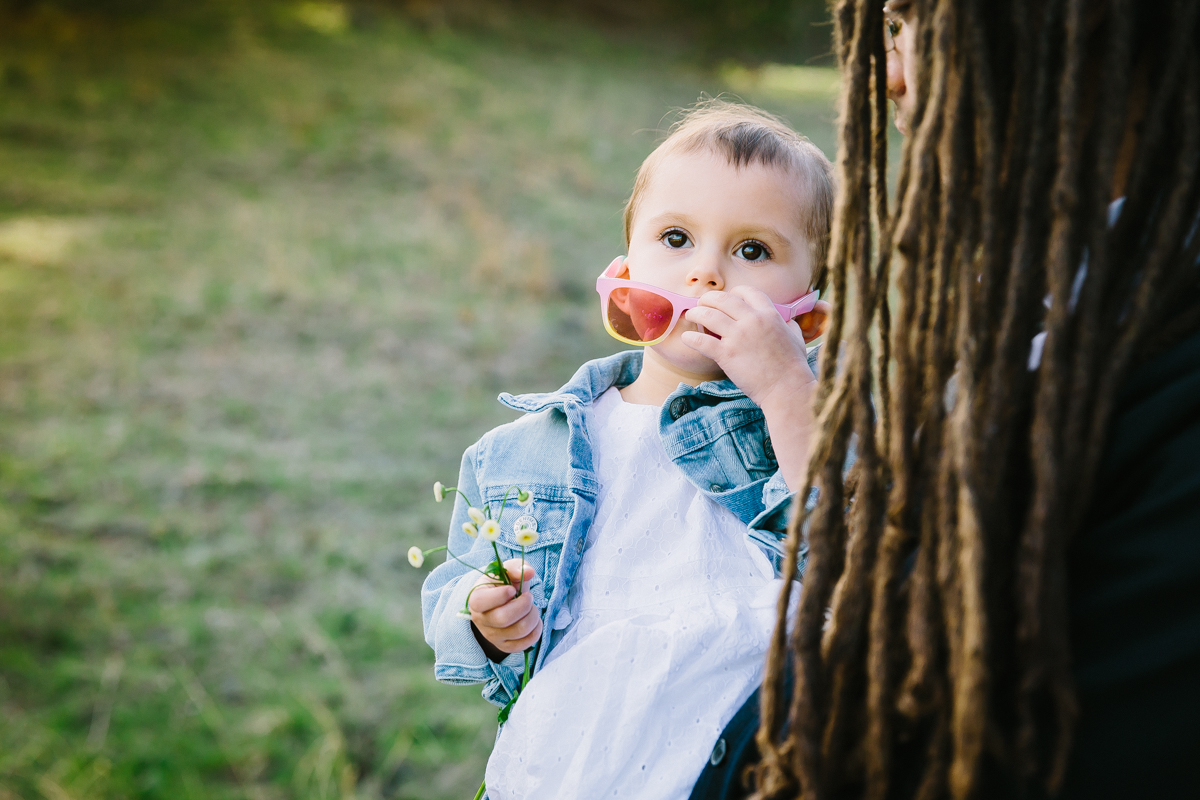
(713, 432)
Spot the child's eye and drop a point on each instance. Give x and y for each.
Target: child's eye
(753, 251)
(675, 238)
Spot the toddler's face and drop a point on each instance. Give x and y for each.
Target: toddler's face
(704, 225)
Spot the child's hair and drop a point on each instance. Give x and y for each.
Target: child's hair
(747, 135)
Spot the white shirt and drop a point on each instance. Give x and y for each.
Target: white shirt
(673, 610)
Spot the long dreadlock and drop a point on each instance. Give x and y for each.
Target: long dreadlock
(933, 621)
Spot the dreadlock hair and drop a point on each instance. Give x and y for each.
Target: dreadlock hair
(930, 649)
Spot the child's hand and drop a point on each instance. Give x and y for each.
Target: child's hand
(505, 623)
(768, 360)
(765, 356)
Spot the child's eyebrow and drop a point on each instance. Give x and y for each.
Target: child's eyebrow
(764, 232)
(669, 218)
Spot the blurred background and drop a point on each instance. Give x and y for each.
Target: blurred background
(263, 269)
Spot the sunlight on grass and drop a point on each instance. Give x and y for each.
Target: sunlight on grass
(784, 80)
(40, 240)
(327, 18)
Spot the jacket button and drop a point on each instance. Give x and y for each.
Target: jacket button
(678, 408)
(718, 753)
(716, 488)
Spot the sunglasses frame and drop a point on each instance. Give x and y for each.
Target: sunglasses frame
(607, 282)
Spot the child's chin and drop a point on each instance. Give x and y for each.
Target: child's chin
(684, 358)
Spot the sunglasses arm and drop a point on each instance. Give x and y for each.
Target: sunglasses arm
(802, 306)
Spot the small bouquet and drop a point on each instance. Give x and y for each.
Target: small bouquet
(483, 524)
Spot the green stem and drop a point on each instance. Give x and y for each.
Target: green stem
(503, 572)
(526, 676)
(456, 558)
(467, 602)
(455, 489)
(521, 574)
(504, 500)
(482, 787)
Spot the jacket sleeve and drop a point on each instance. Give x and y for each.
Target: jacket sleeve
(769, 529)
(458, 658)
(777, 505)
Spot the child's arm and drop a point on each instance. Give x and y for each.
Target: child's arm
(459, 656)
(766, 358)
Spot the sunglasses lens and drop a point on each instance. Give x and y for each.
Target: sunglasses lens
(637, 315)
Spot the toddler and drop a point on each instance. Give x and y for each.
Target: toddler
(662, 479)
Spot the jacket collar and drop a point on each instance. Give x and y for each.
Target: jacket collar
(596, 377)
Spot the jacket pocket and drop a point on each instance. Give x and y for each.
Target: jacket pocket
(550, 517)
(754, 447)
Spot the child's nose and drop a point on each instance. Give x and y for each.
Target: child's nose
(706, 275)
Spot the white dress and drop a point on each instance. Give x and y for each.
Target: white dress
(672, 611)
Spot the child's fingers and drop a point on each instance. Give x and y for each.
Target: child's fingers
(505, 614)
(488, 595)
(756, 300)
(713, 319)
(513, 638)
(732, 305)
(702, 343)
(513, 565)
(526, 642)
(522, 628)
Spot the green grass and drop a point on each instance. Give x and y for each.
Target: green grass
(260, 283)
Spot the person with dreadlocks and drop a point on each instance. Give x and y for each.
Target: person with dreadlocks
(1002, 597)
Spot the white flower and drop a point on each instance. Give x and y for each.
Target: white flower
(470, 530)
(525, 536)
(464, 614)
(524, 498)
(490, 530)
(476, 515)
(415, 556)
(439, 491)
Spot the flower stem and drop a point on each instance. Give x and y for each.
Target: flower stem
(482, 787)
(503, 572)
(456, 558)
(467, 602)
(504, 500)
(521, 574)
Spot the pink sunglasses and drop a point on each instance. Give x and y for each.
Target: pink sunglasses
(641, 314)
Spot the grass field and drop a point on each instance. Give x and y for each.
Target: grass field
(260, 283)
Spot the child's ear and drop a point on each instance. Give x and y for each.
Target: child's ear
(813, 324)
